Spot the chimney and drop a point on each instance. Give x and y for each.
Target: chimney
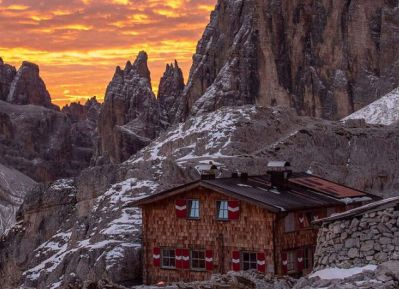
(279, 172)
(244, 176)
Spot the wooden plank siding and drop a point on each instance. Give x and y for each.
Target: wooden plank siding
(252, 232)
(257, 230)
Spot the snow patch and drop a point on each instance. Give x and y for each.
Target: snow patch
(337, 273)
(384, 111)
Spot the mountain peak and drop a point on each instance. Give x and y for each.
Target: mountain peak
(140, 65)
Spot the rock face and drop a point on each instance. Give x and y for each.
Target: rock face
(83, 130)
(323, 58)
(169, 93)
(38, 142)
(99, 235)
(28, 88)
(130, 116)
(7, 74)
(13, 188)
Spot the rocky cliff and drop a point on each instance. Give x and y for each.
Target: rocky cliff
(83, 130)
(132, 116)
(42, 143)
(13, 188)
(28, 88)
(7, 74)
(88, 231)
(170, 92)
(323, 58)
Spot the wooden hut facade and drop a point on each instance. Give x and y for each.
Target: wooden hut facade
(240, 223)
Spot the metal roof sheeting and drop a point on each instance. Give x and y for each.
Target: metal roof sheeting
(302, 191)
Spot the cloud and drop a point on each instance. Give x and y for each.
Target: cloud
(78, 43)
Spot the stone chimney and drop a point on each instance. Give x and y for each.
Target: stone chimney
(279, 172)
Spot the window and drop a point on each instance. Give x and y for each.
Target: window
(249, 260)
(307, 258)
(193, 209)
(198, 260)
(289, 223)
(222, 210)
(291, 261)
(168, 258)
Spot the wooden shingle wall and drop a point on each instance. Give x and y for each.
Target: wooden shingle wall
(252, 232)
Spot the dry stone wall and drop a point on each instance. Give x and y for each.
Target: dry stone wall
(371, 238)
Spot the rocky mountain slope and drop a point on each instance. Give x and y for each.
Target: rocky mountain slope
(41, 142)
(83, 230)
(13, 188)
(323, 58)
(383, 111)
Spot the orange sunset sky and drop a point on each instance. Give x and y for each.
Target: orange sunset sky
(78, 43)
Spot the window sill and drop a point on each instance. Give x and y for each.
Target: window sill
(169, 268)
(222, 220)
(198, 270)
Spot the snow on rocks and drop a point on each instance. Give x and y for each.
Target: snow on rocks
(338, 273)
(383, 111)
(13, 187)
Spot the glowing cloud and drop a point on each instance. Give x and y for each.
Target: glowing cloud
(78, 43)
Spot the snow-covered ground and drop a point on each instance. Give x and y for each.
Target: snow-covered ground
(383, 111)
(337, 273)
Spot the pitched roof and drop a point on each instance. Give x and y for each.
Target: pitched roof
(302, 191)
(371, 207)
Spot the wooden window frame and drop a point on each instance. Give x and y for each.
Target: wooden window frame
(218, 203)
(162, 258)
(189, 202)
(253, 262)
(197, 269)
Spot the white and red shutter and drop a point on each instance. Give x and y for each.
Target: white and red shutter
(156, 256)
(178, 256)
(301, 220)
(209, 260)
(284, 263)
(236, 261)
(181, 209)
(300, 260)
(234, 210)
(261, 262)
(185, 254)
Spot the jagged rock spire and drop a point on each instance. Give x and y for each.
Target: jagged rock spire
(130, 116)
(27, 87)
(170, 90)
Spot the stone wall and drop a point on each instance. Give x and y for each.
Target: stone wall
(371, 238)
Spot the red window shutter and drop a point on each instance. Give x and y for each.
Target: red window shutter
(185, 258)
(301, 220)
(179, 259)
(209, 260)
(234, 210)
(181, 208)
(156, 256)
(284, 263)
(236, 261)
(261, 262)
(300, 259)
